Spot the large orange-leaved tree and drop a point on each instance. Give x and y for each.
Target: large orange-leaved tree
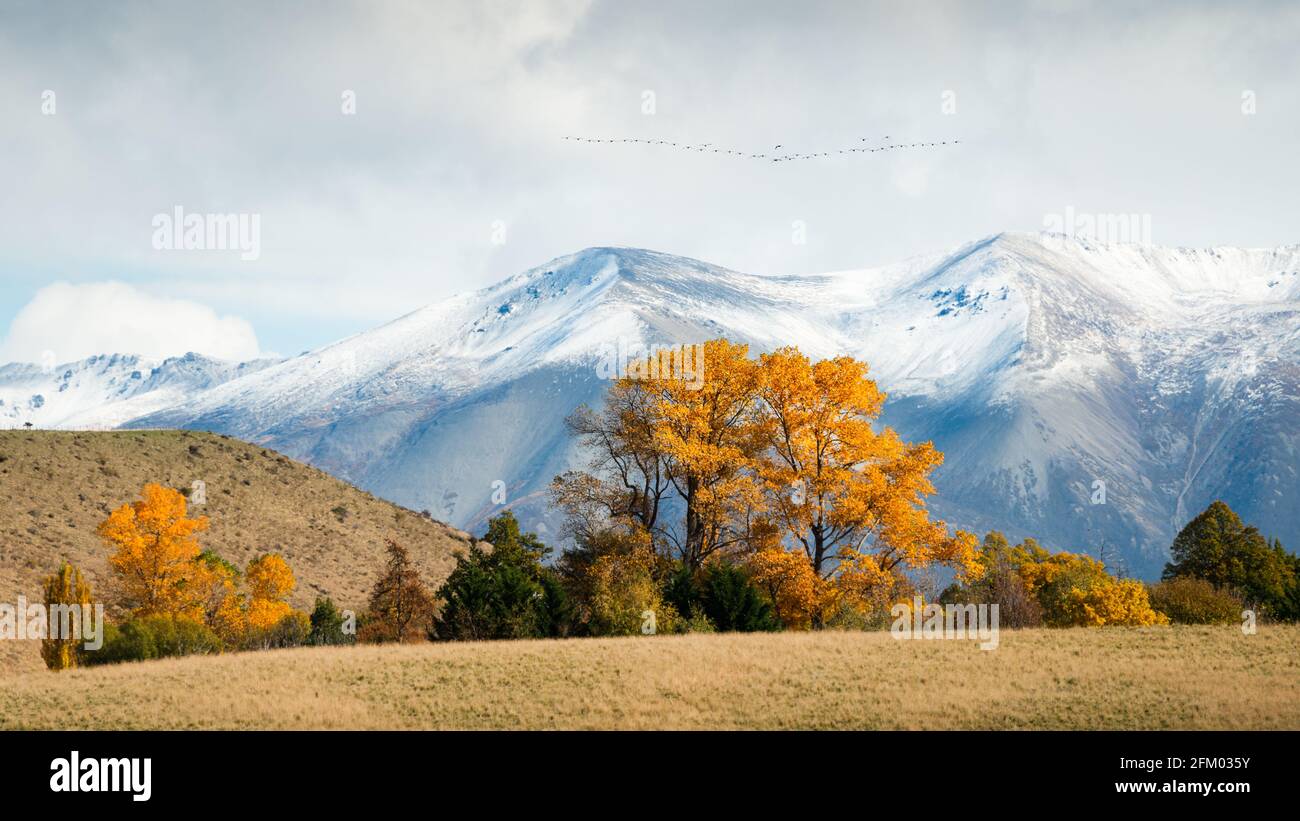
(768, 457)
(155, 554)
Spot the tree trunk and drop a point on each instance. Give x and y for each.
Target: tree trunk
(694, 527)
(819, 559)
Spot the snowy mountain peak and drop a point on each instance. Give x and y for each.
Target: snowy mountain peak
(1044, 367)
(105, 391)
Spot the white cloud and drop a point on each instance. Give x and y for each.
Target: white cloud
(77, 321)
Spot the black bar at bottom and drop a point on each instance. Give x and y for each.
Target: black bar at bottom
(936, 770)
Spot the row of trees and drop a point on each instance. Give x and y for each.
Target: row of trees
(616, 583)
(179, 600)
(607, 584)
(1220, 568)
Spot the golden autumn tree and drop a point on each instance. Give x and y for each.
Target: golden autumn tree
(155, 554)
(708, 438)
(851, 497)
(64, 590)
(1123, 602)
(667, 436)
(269, 581)
(225, 608)
(761, 456)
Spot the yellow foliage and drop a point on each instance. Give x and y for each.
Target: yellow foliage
(1076, 591)
(1047, 569)
(66, 587)
(269, 581)
(769, 454)
(269, 577)
(852, 496)
(264, 614)
(862, 584)
(222, 604)
(703, 431)
(230, 620)
(1119, 602)
(156, 548)
(799, 596)
(161, 571)
(624, 590)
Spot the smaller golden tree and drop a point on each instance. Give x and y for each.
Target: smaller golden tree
(625, 596)
(64, 590)
(225, 608)
(269, 581)
(850, 497)
(1076, 591)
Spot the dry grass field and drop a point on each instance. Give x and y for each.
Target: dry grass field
(1111, 678)
(56, 487)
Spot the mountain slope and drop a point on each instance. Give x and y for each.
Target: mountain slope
(1047, 369)
(55, 489)
(105, 391)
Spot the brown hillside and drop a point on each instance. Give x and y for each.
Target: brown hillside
(56, 487)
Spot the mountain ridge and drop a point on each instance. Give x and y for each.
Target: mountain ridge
(1039, 364)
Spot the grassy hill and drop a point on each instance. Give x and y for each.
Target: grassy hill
(1101, 678)
(56, 487)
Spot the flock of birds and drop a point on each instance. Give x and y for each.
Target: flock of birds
(706, 148)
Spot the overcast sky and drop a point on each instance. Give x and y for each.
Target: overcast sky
(452, 174)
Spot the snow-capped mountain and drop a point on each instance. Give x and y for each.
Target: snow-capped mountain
(103, 392)
(1095, 397)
